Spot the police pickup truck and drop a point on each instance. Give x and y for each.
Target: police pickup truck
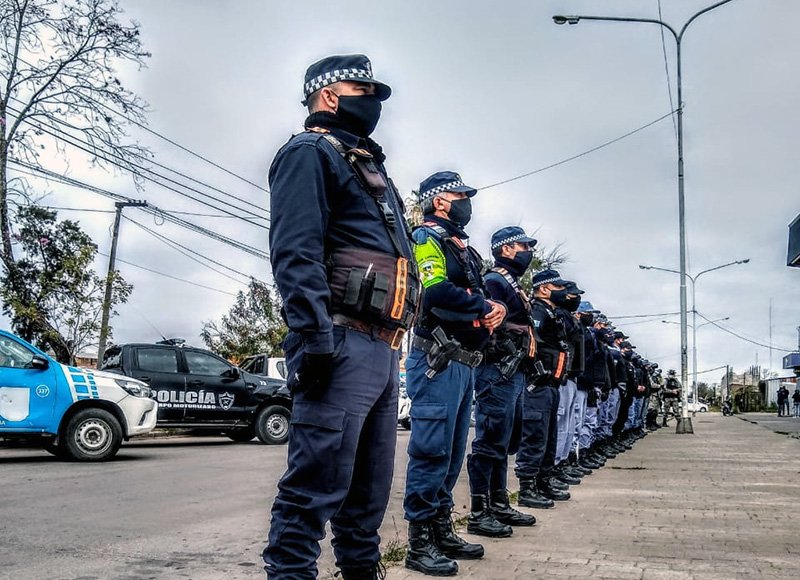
(197, 389)
(71, 412)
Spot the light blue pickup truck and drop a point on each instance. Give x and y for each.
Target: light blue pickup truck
(74, 413)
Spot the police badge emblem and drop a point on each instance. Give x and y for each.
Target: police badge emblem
(226, 401)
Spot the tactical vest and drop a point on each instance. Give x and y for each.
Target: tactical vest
(520, 335)
(464, 255)
(369, 285)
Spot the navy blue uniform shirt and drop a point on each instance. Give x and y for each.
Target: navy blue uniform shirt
(317, 206)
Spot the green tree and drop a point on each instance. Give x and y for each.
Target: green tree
(252, 325)
(50, 292)
(57, 77)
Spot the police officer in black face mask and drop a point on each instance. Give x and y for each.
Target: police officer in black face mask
(499, 383)
(536, 456)
(342, 260)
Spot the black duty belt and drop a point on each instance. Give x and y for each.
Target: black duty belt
(394, 338)
(471, 358)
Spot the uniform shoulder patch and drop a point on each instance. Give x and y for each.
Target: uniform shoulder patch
(431, 262)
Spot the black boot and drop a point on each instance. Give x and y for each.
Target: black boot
(503, 512)
(424, 555)
(561, 473)
(576, 465)
(377, 572)
(546, 488)
(529, 495)
(481, 520)
(449, 543)
(664, 421)
(588, 462)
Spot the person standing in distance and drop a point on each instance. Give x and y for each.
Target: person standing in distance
(454, 327)
(342, 260)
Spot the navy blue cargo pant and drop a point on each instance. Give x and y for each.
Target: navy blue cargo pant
(537, 450)
(498, 408)
(341, 460)
(440, 417)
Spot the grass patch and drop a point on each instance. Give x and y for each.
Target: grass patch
(395, 549)
(513, 497)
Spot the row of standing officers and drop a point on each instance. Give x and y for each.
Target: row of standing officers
(553, 383)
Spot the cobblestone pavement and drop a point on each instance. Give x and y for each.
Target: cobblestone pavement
(722, 503)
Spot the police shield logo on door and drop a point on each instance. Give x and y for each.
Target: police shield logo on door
(226, 401)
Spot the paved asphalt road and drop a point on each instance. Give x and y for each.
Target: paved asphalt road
(164, 509)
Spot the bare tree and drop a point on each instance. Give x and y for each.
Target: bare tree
(57, 75)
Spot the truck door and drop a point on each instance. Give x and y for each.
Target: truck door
(158, 367)
(217, 391)
(27, 394)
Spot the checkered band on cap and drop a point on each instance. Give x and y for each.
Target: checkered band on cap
(334, 76)
(441, 189)
(546, 281)
(509, 240)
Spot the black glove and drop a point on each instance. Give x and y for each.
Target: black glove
(313, 376)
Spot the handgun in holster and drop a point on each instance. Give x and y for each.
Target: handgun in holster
(442, 352)
(509, 364)
(534, 373)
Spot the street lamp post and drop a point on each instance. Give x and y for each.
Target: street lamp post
(694, 328)
(685, 425)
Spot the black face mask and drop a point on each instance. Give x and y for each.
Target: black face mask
(523, 259)
(586, 318)
(460, 211)
(559, 297)
(359, 113)
(571, 304)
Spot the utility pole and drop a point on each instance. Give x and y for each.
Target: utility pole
(101, 348)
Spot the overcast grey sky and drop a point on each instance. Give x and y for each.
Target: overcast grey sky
(493, 90)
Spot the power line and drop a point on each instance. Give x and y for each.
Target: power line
(152, 209)
(188, 253)
(666, 70)
(170, 276)
(149, 130)
(587, 152)
(642, 315)
(172, 211)
(129, 166)
(156, 163)
(744, 338)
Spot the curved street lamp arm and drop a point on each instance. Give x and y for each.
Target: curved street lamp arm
(718, 268)
(621, 19)
(679, 36)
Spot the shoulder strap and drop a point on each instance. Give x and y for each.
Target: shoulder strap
(523, 296)
(353, 158)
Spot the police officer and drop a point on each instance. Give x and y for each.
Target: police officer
(567, 304)
(536, 455)
(589, 382)
(454, 326)
(334, 210)
(672, 393)
(499, 383)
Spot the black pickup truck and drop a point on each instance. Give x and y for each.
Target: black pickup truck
(197, 389)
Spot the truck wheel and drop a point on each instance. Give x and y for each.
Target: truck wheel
(241, 435)
(92, 435)
(272, 425)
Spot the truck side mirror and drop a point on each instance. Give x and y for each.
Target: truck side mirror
(232, 373)
(40, 363)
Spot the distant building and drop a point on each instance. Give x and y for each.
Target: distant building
(86, 359)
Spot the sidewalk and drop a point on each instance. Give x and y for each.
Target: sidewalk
(722, 503)
(782, 425)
